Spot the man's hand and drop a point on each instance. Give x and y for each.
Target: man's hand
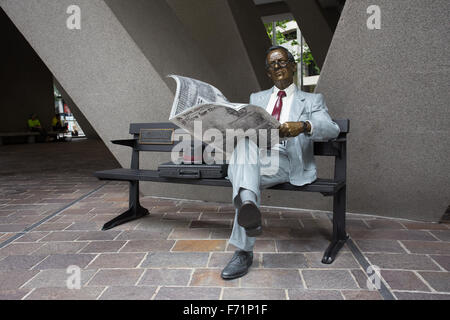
(293, 129)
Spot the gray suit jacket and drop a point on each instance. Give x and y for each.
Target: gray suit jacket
(305, 106)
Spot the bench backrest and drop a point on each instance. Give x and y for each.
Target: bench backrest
(158, 137)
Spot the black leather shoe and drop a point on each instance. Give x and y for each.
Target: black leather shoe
(238, 265)
(249, 217)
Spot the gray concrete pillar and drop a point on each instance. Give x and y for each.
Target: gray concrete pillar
(393, 83)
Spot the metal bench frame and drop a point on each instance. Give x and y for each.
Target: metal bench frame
(328, 187)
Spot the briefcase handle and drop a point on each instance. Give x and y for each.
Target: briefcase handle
(189, 174)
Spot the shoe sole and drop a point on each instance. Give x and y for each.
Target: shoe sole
(234, 276)
(249, 217)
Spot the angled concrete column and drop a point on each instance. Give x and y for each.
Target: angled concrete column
(393, 85)
(233, 39)
(314, 26)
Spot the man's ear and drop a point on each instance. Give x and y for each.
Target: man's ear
(269, 75)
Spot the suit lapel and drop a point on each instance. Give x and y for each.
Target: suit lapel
(298, 104)
(263, 99)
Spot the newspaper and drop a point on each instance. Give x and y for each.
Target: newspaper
(199, 101)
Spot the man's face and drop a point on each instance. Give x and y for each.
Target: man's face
(280, 70)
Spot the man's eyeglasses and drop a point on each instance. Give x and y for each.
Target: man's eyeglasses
(281, 63)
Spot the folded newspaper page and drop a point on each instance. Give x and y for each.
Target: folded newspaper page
(199, 103)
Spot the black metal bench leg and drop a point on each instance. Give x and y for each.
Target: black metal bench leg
(135, 211)
(339, 234)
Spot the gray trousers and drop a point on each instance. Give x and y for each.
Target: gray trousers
(254, 169)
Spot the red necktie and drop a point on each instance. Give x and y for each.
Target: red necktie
(278, 105)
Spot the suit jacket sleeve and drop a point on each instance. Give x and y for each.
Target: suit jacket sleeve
(324, 127)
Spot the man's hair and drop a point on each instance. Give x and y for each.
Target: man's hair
(273, 48)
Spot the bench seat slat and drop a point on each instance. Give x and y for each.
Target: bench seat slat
(320, 185)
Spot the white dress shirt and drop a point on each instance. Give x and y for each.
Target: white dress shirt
(287, 104)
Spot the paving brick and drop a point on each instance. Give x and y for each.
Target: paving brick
(220, 233)
(117, 260)
(63, 261)
(442, 235)
(361, 295)
(420, 296)
(344, 260)
(144, 234)
(189, 233)
(384, 224)
(403, 280)
(199, 245)
(12, 227)
(307, 245)
(103, 246)
(273, 278)
(308, 294)
(151, 223)
(284, 260)
(165, 277)
(392, 235)
(188, 293)
(116, 277)
(183, 216)
(217, 215)
(283, 223)
(443, 261)
(329, 279)
(61, 236)
(19, 249)
(253, 294)
(65, 294)
(356, 224)
(128, 293)
(440, 281)
(98, 235)
(85, 226)
(386, 246)
(281, 233)
(175, 260)
(424, 226)
(60, 248)
(211, 224)
(428, 247)
(19, 262)
(402, 261)
(56, 278)
(147, 245)
(260, 246)
(360, 277)
(53, 226)
(296, 214)
(211, 278)
(14, 279)
(13, 294)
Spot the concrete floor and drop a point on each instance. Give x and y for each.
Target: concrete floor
(52, 210)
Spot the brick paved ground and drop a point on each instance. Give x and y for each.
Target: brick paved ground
(178, 251)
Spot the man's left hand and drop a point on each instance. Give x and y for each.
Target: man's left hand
(292, 129)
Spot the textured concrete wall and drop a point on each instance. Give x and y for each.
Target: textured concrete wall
(393, 85)
(217, 28)
(26, 83)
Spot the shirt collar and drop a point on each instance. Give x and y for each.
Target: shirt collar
(289, 90)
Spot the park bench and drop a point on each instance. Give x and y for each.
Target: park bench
(158, 137)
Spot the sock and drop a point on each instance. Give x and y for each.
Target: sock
(247, 195)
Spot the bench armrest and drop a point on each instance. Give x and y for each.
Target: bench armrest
(126, 142)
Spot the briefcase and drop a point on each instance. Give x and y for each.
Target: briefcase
(193, 171)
